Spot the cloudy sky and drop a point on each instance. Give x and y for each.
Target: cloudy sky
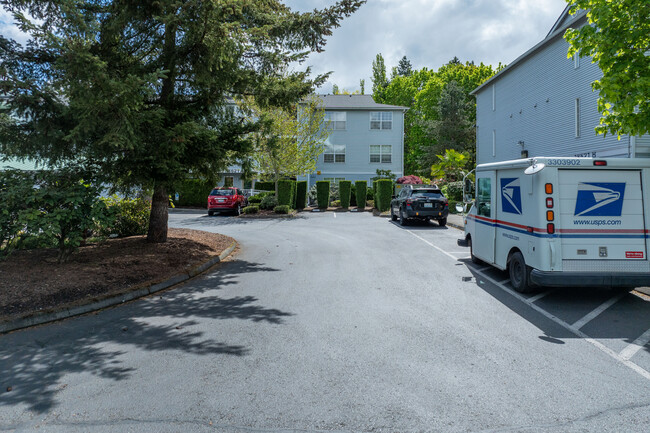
(429, 33)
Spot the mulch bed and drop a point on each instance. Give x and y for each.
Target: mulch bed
(32, 280)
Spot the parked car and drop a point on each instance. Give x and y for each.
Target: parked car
(423, 202)
(226, 199)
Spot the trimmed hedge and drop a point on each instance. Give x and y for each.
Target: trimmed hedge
(269, 202)
(323, 193)
(361, 187)
(384, 194)
(251, 209)
(294, 193)
(301, 194)
(283, 209)
(255, 199)
(265, 186)
(374, 193)
(284, 192)
(345, 186)
(193, 192)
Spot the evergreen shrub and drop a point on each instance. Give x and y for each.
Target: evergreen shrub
(255, 199)
(282, 209)
(361, 187)
(284, 192)
(265, 186)
(384, 194)
(323, 193)
(344, 192)
(131, 216)
(268, 202)
(193, 192)
(251, 209)
(301, 194)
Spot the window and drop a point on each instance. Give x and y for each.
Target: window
(577, 117)
(483, 197)
(381, 120)
(427, 193)
(336, 119)
(334, 153)
(381, 153)
(333, 180)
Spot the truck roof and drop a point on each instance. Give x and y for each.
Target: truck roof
(567, 162)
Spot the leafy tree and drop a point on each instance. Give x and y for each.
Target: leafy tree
(379, 80)
(404, 67)
(362, 85)
(618, 40)
(142, 88)
(383, 174)
(451, 165)
(290, 141)
(335, 89)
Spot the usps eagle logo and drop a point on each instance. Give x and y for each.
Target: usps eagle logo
(600, 199)
(511, 195)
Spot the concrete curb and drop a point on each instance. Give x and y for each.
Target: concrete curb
(41, 318)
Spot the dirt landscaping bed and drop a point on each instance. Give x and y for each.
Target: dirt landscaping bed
(32, 281)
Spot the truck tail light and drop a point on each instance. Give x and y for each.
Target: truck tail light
(548, 188)
(550, 216)
(550, 228)
(600, 163)
(549, 202)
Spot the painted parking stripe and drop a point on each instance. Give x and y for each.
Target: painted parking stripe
(596, 312)
(636, 345)
(504, 281)
(429, 243)
(539, 296)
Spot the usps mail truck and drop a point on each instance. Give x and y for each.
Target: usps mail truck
(563, 222)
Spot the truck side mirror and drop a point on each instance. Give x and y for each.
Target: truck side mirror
(468, 198)
(460, 208)
(469, 186)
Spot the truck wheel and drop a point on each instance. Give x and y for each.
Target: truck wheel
(442, 222)
(475, 259)
(402, 220)
(210, 213)
(519, 273)
(393, 217)
(238, 210)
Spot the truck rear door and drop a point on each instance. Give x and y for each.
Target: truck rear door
(601, 218)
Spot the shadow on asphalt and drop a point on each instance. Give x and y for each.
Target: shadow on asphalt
(34, 361)
(226, 220)
(415, 225)
(626, 320)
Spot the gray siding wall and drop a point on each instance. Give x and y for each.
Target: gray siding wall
(535, 104)
(357, 138)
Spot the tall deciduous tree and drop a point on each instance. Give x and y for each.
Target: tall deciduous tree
(290, 141)
(618, 39)
(404, 67)
(379, 80)
(141, 88)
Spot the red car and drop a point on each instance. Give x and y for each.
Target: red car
(228, 199)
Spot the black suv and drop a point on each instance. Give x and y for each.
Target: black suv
(424, 202)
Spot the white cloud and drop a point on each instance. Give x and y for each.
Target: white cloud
(429, 33)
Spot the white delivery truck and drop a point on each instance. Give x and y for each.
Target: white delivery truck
(563, 221)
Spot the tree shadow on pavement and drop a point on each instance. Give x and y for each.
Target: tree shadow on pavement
(33, 362)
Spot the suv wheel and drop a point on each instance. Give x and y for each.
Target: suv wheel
(210, 213)
(393, 217)
(402, 220)
(442, 222)
(238, 210)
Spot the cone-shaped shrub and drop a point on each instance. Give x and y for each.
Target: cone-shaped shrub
(374, 193)
(344, 191)
(360, 187)
(384, 194)
(284, 192)
(265, 186)
(294, 186)
(301, 194)
(323, 193)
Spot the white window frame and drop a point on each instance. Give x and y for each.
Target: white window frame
(577, 117)
(333, 180)
(336, 120)
(384, 120)
(337, 152)
(385, 150)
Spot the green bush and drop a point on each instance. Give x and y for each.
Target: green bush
(344, 190)
(284, 192)
(268, 202)
(361, 187)
(16, 191)
(454, 191)
(131, 216)
(374, 192)
(301, 194)
(294, 193)
(251, 209)
(193, 192)
(283, 209)
(336, 203)
(384, 194)
(265, 186)
(255, 199)
(323, 193)
(353, 196)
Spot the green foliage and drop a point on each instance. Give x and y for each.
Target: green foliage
(268, 202)
(255, 199)
(336, 203)
(453, 191)
(193, 192)
(131, 216)
(282, 209)
(384, 174)
(323, 193)
(143, 89)
(294, 193)
(265, 186)
(285, 188)
(379, 81)
(617, 38)
(451, 166)
(345, 186)
(251, 209)
(16, 212)
(384, 194)
(361, 187)
(404, 67)
(374, 192)
(301, 194)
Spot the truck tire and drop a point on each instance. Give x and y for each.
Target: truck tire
(442, 222)
(402, 220)
(519, 273)
(210, 213)
(393, 217)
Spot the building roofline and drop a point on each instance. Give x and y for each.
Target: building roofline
(580, 16)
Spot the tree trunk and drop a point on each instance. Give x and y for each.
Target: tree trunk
(158, 217)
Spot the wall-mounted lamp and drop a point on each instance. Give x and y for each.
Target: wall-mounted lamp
(524, 153)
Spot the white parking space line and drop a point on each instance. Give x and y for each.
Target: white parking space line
(596, 312)
(429, 243)
(636, 345)
(539, 296)
(504, 281)
(334, 213)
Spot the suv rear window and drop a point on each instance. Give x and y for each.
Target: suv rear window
(428, 193)
(223, 192)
